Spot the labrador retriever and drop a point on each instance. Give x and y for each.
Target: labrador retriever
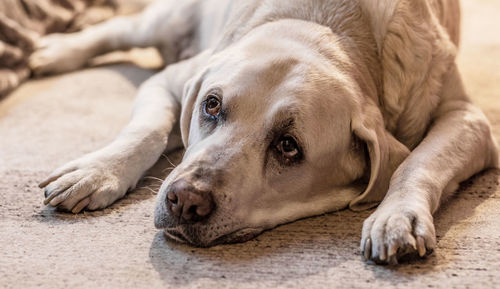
(286, 109)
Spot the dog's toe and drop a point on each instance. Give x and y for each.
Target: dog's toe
(367, 248)
(56, 54)
(390, 234)
(81, 205)
(87, 183)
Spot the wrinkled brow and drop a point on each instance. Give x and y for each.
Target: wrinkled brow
(283, 121)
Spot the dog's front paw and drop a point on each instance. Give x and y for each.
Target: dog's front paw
(397, 230)
(56, 53)
(92, 182)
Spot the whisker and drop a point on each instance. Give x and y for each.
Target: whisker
(166, 157)
(153, 178)
(149, 189)
(167, 169)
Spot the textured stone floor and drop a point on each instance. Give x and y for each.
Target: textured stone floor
(48, 122)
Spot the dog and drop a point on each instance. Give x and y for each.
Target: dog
(286, 109)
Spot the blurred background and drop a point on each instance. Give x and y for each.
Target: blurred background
(22, 21)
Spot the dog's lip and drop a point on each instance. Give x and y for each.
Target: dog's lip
(175, 235)
(237, 236)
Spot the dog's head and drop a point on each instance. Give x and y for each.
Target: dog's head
(277, 127)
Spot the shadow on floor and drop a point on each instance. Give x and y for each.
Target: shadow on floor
(457, 208)
(304, 247)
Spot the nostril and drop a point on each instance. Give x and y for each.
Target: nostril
(192, 210)
(196, 205)
(190, 213)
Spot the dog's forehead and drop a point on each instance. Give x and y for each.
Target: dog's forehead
(240, 76)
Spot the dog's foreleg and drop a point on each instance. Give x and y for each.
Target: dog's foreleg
(458, 145)
(98, 179)
(163, 24)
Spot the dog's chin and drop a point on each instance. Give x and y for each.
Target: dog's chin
(177, 234)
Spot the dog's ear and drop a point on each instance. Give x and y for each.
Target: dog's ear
(190, 93)
(385, 152)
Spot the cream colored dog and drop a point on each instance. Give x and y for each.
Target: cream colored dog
(287, 109)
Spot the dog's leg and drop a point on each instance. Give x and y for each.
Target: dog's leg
(458, 145)
(163, 24)
(98, 179)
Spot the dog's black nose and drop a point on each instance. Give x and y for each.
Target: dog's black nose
(187, 203)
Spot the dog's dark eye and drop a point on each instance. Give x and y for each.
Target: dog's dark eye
(288, 148)
(212, 106)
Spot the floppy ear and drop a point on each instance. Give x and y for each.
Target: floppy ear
(191, 90)
(386, 154)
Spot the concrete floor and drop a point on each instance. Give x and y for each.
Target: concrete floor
(48, 122)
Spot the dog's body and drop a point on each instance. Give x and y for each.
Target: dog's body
(287, 109)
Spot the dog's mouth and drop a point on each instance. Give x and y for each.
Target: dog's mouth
(178, 234)
(175, 235)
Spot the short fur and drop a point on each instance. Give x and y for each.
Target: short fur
(370, 89)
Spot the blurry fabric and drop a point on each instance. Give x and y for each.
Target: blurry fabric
(23, 21)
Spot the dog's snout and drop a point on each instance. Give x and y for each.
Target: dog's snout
(189, 204)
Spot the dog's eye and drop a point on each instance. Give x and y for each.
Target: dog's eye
(212, 106)
(288, 147)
